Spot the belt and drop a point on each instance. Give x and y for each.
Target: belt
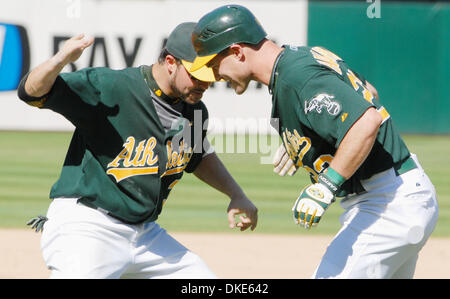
(399, 169)
(404, 166)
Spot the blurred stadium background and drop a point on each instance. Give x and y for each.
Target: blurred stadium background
(401, 47)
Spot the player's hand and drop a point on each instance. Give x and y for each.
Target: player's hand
(312, 204)
(37, 223)
(242, 205)
(73, 48)
(282, 163)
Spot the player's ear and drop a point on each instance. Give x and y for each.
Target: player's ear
(237, 51)
(171, 63)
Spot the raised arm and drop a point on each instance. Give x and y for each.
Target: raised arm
(212, 171)
(41, 79)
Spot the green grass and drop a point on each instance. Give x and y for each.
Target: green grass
(31, 161)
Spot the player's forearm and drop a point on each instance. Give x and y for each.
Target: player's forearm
(41, 79)
(357, 144)
(212, 171)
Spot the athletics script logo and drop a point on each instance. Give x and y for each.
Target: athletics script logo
(320, 101)
(144, 160)
(140, 158)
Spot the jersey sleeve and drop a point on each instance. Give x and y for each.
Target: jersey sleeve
(360, 76)
(74, 95)
(330, 107)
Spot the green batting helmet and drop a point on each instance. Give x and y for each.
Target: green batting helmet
(221, 28)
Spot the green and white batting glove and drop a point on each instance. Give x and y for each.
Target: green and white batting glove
(315, 199)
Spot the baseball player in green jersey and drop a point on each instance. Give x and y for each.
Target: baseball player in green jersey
(332, 125)
(137, 131)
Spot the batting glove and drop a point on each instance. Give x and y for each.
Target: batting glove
(37, 223)
(315, 199)
(282, 163)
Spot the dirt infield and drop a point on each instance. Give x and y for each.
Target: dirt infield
(231, 255)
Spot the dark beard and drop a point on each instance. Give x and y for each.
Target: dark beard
(177, 93)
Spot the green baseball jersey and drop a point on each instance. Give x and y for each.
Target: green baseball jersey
(131, 143)
(316, 99)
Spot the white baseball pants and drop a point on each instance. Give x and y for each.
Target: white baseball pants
(81, 242)
(384, 229)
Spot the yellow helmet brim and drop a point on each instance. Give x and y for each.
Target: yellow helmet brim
(203, 73)
(200, 61)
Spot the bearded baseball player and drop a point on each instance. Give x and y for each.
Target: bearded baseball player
(137, 131)
(332, 125)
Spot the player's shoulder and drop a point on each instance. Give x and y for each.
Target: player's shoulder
(129, 73)
(303, 63)
(101, 75)
(305, 57)
(296, 66)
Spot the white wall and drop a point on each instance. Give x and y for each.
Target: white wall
(285, 22)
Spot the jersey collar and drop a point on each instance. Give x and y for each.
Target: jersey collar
(274, 75)
(151, 82)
